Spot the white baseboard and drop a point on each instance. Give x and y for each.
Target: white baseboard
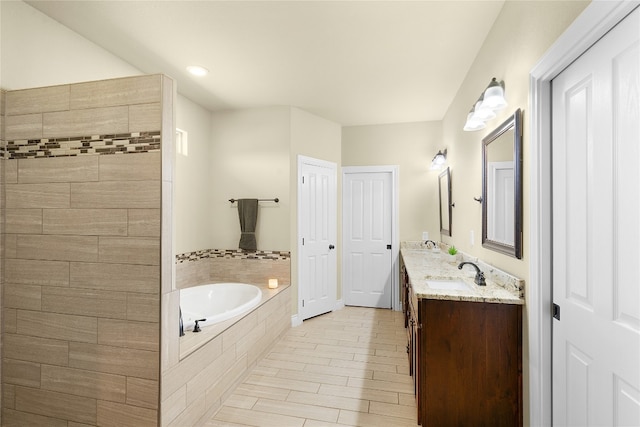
(339, 304)
(295, 321)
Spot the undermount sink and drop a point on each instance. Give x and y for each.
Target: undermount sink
(449, 285)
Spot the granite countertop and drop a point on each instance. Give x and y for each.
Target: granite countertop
(424, 264)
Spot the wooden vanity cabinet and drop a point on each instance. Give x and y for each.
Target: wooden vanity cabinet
(466, 361)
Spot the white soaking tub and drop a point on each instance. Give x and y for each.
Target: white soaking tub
(216, 302)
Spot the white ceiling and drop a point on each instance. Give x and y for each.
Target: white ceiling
(353, 62)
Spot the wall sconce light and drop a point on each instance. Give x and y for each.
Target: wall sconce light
(439, 160)
(273, 283)
(491, 100)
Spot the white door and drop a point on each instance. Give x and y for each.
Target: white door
(367, 240)
(596, 233)
(316, 237)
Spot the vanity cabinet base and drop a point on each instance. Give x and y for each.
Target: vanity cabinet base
(468, 364)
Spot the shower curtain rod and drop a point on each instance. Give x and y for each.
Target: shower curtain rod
(260, 200)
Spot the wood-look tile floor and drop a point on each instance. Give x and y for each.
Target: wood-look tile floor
(345, 368)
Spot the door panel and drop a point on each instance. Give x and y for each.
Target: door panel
(596, 233)
(317, 218)
(367, 205)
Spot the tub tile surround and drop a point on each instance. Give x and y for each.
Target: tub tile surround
(200, 370)
(198, 384)
(81, 253)
(232, 265)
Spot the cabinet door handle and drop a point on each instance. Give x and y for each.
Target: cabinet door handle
(408, 349)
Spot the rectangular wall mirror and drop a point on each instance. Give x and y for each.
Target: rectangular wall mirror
(502, 187)
(444, 185)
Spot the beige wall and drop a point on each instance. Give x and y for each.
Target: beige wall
(249, 158)
(82, 254)
(193, 195)
(411, 146)
(38, 51)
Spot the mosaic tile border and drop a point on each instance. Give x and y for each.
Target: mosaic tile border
(231, 254)
(121, 143)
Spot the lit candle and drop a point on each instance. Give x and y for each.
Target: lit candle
(273, 283)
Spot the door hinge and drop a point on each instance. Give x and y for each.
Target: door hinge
(302, 303)
(303, 241)
(556, 311)
(303, 179)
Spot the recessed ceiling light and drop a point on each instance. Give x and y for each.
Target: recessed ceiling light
(197, 70)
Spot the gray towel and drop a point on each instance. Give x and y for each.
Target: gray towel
(248, 215)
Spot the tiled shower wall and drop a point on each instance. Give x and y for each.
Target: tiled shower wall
(81, 308)
(2, 102)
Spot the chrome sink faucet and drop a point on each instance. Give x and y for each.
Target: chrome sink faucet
(479, 279)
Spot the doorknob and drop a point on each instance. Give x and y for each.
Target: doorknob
(331, 247)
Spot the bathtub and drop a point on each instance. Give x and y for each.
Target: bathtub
(217, 302)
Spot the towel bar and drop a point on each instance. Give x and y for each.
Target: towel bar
(260, 200)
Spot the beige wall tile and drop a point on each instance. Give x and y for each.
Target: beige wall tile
(116, 194)
(174, 405)
(192, 273)
(129, 250)
(122, 91)
(11, 171)
(38, 100)
(130, 167)
(145, 117)
(37, 272)
(114, 360)
(169, 102)
(26, 297)
(97, 385)
(170, 330)
(26, 221)
(26, 126)
(116, 415)
(58, 405)
(57, 248)
(19, 372)
(58, 326)
(58, 169)
(94, 121)
(191, 415)
(217, 392)
(85, 222)
(85, 302)
(209, 375)
(10, 248)
(9, 320)
(39, 350)
(142, 393)
(188, 368)
(143, 307)
(115, 277)
(122, 333)
(144, 222)
(19, 196)
(12, 418)
(74, 424)
(8, 396)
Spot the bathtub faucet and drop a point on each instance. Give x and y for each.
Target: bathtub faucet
(181, 324)
(197, 327)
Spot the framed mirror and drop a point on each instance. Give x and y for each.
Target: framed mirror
(502, 188)
(444, 190)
